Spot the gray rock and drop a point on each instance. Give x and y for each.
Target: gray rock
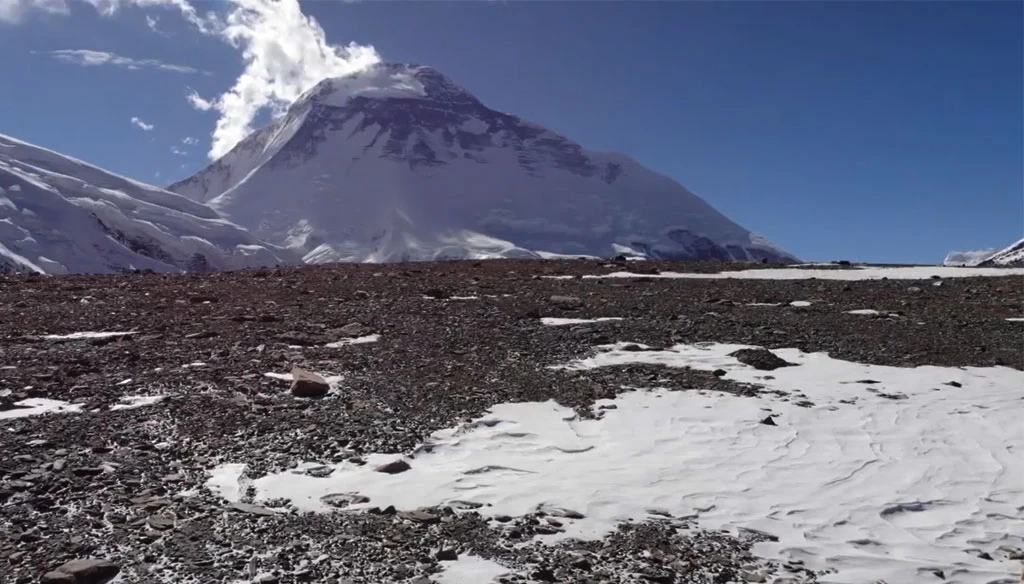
(761, 359)
(83, 572)
(308, 384)
(354, 329)
(394, 467)
(420, 516)
(566, 302)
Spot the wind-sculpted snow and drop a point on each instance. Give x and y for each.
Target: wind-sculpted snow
(60, 215)
(406, 165)
(901, 475)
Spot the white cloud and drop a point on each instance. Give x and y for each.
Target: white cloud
(178, 151)
(141, 124)
(14, 11)
(151, 22)
(198, 102)
(90, 58)
(189, 141)
(284, 52)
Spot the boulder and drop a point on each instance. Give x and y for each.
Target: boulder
(394, 467)
(762, 359)
(83, 572)
(308, 384)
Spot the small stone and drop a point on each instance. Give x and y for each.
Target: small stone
(160, 522)
(394, 467)
(308, 384)
(566, 302)
(353, 329)
(913, 289)
(446, 555)
(718, 372)
(769, 421)
(544, 575)
(344, 499)
(954, 384)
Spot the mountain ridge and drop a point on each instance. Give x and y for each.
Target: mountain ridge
(61, 215)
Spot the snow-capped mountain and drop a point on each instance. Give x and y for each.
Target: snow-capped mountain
(60, 215)
(400, 163)
(1011, 256)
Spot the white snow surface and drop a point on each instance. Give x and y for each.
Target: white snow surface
(355, 341)
(877, 482)
(471, 570)
(864, 311)
(61, 215)
(38, 406)
(403, 164)
(557, 321)
(130, 402)
(84, 335)
(866, 273)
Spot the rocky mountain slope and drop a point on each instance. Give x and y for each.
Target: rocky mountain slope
(403, 164)
(61, 215)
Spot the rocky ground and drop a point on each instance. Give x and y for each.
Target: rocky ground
(127, 485)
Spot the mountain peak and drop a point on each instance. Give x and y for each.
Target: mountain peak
(399, 162)
(388, 81)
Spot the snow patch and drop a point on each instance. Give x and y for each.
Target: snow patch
(87, 335)
(864, 311)
(863, 273)
(471, 570)
(555, 321)
(38, 406)
(130, 402)
(801, 303)
(884, 480)
(228, 482)
(356, 341)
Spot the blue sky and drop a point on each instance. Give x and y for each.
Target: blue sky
(874, 131)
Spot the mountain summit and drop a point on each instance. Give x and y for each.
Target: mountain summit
(401, 163)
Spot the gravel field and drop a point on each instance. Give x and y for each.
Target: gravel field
(120, 469)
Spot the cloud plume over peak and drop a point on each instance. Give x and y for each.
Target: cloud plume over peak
(284, 53)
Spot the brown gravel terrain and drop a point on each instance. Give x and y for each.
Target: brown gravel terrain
(455, 339)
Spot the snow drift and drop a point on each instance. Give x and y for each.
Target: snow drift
(60, 215)
(400, 163)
